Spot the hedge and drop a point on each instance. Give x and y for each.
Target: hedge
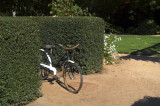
(87, 31)
(20, 41)
(19, 61)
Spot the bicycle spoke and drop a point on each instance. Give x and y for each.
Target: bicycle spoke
(72, 77)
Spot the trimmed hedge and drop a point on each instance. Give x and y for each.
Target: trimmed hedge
(19, 61)
(87, 31)
(20, 41)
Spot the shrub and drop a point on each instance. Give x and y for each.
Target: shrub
(110, 48)
(20, 41)
(19, 61)
(88, 31)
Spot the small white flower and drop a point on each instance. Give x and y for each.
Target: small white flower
(109, 44)
(106, 37)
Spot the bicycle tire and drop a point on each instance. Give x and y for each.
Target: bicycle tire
(72, 75)
(44, 72)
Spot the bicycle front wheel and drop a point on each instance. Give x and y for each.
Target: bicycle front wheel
(72, 77)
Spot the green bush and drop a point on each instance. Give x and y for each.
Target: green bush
(87, 31)
(110, 28)
(19, 61)
(148, 27)
(20, 41)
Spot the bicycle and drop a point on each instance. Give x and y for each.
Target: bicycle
(71, 73)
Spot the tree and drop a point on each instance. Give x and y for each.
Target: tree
(66, 8)
(145, 9)
(25, 8)
(123, 13)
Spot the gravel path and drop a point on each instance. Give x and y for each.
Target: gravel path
(134, 81)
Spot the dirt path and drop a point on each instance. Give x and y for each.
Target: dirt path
(124, 84)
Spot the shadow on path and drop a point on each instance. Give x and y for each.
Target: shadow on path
(148, 101)
(144, 58)
(149, 51)
(60, 83)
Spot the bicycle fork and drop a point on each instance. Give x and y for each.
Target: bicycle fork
(69, 68)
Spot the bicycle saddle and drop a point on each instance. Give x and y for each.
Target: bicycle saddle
(49, 46)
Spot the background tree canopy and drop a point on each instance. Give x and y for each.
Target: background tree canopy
(67, 8)
(25, 8)
(123, 15)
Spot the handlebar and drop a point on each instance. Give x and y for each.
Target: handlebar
(66, 48)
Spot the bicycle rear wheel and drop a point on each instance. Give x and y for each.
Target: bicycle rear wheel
(44, 72)
(72, 77)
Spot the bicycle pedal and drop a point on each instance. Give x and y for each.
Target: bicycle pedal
(55, 77)
(50, 80)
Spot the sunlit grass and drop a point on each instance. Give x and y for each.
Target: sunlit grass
(141, 45)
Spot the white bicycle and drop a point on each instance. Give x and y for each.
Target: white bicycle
(71, 73)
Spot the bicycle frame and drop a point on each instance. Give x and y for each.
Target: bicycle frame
(65, 67)
(68, 58)
(50, 66)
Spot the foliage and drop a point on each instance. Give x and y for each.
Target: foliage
(110, 48)
(71, 30)
(121, 14)
(19, 61)
(110, 28)
(20, 43)
(106, 9)
(147, 27)
(144, 9)
(25, 8)
(100, 6)
(66, 8)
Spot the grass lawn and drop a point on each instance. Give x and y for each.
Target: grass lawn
(139, 45)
